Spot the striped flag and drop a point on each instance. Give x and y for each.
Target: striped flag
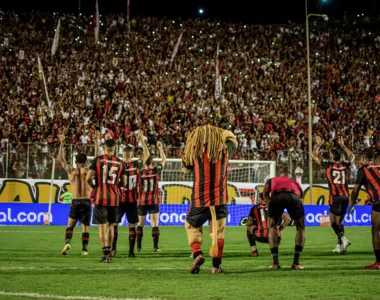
(128, 11)
(218, 78)
(54, 47)
(175, 50)
(97, 22)
(42, 77)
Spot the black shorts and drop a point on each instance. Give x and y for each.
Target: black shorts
(130, 209)
(104, 214)
(197, 216)
(80, 210)
(142, 210)
(285, 200)
(338, 205)
(264, 240)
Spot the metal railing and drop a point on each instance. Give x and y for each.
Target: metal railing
(34, 161)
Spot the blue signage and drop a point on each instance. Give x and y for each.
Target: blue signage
(170, 214)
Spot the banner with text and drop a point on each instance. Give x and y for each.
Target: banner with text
(170, 214)
(176, 192)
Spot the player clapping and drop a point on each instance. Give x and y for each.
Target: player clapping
(130, 194)
(337, 173)
(149, 201)
(109, 172)
(80, 209)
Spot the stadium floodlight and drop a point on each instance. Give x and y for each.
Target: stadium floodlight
(201, 11)
(310, 128)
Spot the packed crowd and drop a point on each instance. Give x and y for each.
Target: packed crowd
(126, 81)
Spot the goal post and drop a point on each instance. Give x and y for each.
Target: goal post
(243, 179)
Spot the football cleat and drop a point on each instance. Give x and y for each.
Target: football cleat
(345, 246)
(106, 260)
(66, 249)
(375, 266)
(198, 262)
(215, 270)
(157, 250)
(274, 266)
(113, 253)
(297, 267)
(254, 253)
(84, 253)
(138, 249)
(338, 249)
(131, 254)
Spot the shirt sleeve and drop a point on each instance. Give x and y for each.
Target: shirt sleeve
(360, 177)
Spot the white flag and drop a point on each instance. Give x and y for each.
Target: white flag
(54, 47)
(218, 78)
(175, 50)
(42, 77)
(97, 22)
(6, 42)
(21, 54)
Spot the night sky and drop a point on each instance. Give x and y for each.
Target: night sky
(250, 11)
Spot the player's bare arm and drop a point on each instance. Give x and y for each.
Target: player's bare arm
(145, 148)
(96, 141)
(316, 154)
(286, 220)
(266, 194)
(61, 156)
(90, 175)
(162, 154)
(354, 197)
(349, 153)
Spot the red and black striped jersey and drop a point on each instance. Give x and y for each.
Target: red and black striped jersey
(338, 175)
(210, 182)
(130, 193)
(260, 221)
(149, 185)
(108, 171)
(369, 176)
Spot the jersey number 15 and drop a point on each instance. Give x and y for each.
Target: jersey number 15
(109, 176)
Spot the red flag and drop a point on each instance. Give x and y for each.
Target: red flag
(96, 21)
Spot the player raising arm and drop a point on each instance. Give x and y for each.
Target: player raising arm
(369, 176)
(109, 172)
(284, 193)
(206, 155)
(80, 209)
(149, 201)
(257, 225)
(130, 194)
(337, 173)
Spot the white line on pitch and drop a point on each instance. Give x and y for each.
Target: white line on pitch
(39, 296)
(129, 268)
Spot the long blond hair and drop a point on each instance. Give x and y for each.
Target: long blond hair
(203, 139)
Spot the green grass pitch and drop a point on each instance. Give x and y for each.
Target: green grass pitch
(30, 262)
